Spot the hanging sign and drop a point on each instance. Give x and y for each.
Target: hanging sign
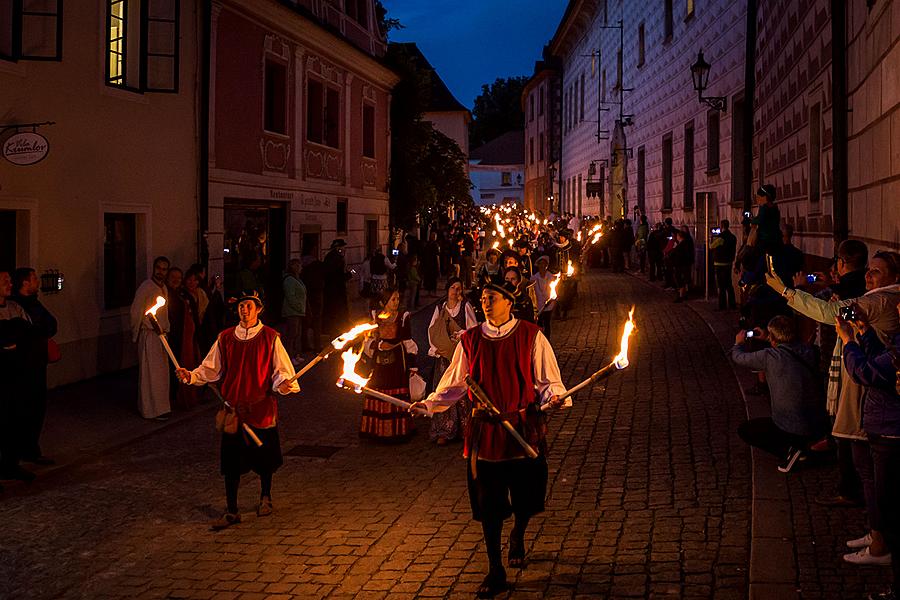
(25, 148)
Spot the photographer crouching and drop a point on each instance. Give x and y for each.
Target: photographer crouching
(798, 398)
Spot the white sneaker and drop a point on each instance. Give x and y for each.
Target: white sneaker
(863, 542)
(863, 557)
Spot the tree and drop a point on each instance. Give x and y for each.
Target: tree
(498, 109)
(428, 169)
(385, 23)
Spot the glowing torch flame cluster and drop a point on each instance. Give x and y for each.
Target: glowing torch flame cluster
(570, 270)
(160, 302)
(349, 375)
(341, 341)
(553, 285)
(621, 358)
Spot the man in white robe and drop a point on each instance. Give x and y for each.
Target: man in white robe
(153, 364)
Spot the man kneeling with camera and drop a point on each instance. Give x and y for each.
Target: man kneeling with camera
(798, 398)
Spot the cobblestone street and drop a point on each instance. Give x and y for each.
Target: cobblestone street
(649, 492)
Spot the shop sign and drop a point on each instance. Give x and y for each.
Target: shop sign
(25, 148)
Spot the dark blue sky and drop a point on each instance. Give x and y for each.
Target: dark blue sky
(471, 42)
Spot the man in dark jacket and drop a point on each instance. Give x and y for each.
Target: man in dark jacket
(337, 312)
(724, 247)
(26, 286)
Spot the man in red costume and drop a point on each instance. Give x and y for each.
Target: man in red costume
(515, 365)
(252, 365)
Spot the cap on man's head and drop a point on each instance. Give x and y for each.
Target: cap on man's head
(338, 243)
(542, 258)
(251, 295)
(767, 190)
(507, 290)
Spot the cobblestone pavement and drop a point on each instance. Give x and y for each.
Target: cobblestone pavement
(815, 534)
(649, 492)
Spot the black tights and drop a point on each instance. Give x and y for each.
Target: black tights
(233, 482)
(493, 531)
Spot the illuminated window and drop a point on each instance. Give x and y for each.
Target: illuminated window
(506, 178)
(688, 8)
(30, 30)
(142, 48)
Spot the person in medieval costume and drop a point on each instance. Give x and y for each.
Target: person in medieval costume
(252, 365)
(153, 364)
(514, 364)
(391, 354)
(450, 319)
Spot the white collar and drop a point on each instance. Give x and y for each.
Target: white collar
(495, 332)
(243, 333)
(887, 288)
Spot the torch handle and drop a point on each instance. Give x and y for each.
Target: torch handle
(601, 374)
(165, 343)
(319, 358)
(481, 396)
(390, 399)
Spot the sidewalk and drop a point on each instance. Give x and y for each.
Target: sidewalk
(797, 545)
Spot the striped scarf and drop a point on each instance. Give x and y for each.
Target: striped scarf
(834, 378)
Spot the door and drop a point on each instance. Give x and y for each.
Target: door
(7, 240)
(371, 235)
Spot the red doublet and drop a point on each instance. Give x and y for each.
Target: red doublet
(503, 367)
(247, 379)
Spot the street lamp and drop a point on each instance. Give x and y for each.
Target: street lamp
(700, 76)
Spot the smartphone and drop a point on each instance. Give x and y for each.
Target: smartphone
(747, 214)
(811, 278)
(669, 238)
(848, 313)
(750, 334)
(716, 230)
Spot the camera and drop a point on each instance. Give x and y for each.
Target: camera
(746, 214)
(750, 334)
(811, 278)
(669, 238)
(395, 252)
(716, 230)
(848, 313)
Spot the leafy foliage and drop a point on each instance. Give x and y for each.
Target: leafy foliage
(498, 109)
(385, 23)
(428, 169)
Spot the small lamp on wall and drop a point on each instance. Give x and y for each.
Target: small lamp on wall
(700, 77)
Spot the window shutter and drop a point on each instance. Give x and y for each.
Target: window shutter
(160, 45)
(41, 29)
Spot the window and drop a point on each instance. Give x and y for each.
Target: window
(358, 11)
(577, 203)
(739, 185)
(506, 178)
(541, 101)
(323, 119)
(142, 45)
(541, 147)
(815, 153)
(8, 240)
(581, 101)
(119, 259)
(275, 107)
(712, 141)
(603, 86)
(619, 83)
(340, 210)
(668, 26)
(531, 107)
(667, 172)
(640, 61)
(531, 151)
(689, 166)
(688, 9)
(641, 179)
(368, 131)
(565, 118)
(762, 163)
(31, 30)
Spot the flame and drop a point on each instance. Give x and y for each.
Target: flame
(553, 285)
(160, 302)
(578, 236)
(621, 358)
(597, 238)
(341, 341)
(496, 245)
(349, 374)
(384, 315)
(570, 270)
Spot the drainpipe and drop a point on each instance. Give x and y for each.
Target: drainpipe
(839, 109)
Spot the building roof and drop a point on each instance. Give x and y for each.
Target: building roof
(442, 99)
(506, 149)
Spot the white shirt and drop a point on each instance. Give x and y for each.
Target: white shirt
(452, 387)
(471, 321)
(542, 288)
(144, 298)
(211, 368)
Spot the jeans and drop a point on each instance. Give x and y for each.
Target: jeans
(764, 434)
(862, 460)
(725, 287)
(885, 453)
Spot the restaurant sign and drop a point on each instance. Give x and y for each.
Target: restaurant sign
(25, 148)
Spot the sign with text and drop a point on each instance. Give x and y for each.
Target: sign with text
(25, 148)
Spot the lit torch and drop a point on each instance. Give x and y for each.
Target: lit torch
(351, 380)
(619, 361)
(338, 343)
(578, 236)
(496, 245)
(570, 270)
(553, 295)
(151, 314)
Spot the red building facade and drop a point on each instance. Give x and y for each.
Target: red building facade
(299, 134)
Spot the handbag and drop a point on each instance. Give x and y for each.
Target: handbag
(53, 353)
(416, 386)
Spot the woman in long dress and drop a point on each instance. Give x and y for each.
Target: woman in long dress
(450, 319)
(392, 354)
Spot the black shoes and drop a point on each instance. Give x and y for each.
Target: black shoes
(225, 521)
(793, 454)
(516, 557)
(495, 583)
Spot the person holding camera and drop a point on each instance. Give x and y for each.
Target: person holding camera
(798, 402)
(724, 249)
(877, 368)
